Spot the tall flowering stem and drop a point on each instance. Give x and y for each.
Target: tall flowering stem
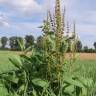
(58, 33)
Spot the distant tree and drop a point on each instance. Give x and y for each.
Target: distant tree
(4, 41)
(79, 46)
(90, 50)
(94, 45)
(29, 41)
(13, 42)
(85, 49)
(39, 43)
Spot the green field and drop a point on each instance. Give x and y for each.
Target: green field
(5, 64)
(86, 67)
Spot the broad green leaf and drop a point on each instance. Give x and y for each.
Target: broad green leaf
(86, 81)
(84, 91)
(34, 93)
(73, 82)
(40, 82)
(16, 61)
(69, 89)
(21, 44)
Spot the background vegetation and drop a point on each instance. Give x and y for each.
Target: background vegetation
(29, 40)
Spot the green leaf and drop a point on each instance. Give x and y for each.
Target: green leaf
(73, 82)
(69, 89)
(40, 82)
(10, 77)
(21, 88)
(87, 82)
(34, 92)
(16, 61)
(84, 91)
(51, 92)
(21, 44)
(13, 79)
(27, 49)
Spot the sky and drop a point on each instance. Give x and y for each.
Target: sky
(21, 17)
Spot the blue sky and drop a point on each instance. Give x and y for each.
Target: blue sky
(21, 17)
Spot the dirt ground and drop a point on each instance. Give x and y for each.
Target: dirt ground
(87, 56)
(84, 56)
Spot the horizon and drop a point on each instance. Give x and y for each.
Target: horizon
(23, 17)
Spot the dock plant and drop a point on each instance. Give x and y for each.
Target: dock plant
(47, 71)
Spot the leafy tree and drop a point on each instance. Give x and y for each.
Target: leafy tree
(91, 50)
(85, 49)
(13, 42)
(4, 41)
(39, 42)
(29, 41)
(79, 46)
(95, 45)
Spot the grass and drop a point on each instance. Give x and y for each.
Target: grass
(87, 68)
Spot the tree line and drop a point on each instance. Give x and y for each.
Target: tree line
(12, 43)
(86, 49)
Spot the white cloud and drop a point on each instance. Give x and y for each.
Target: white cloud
(4, 22)
(23, 6)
